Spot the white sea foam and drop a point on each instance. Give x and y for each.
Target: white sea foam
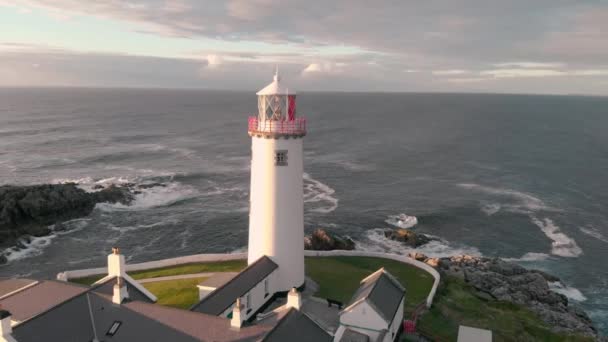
(36, 245)
(375, 241)
(570, 292)
(593, 232)
(402, 221)
(524, 202)
(158, 196)
(529, 257)
(142, 226)
(319, 195)
(562, 244)
(491, 208)
(33, 248)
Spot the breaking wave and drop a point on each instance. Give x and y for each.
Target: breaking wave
(521, 202)
(319, 196)
(593, 232)
(402, 221)
(32, 246)
(375, 241)
(570, 292)
(154, 197)
(562, 244)
(529, 257)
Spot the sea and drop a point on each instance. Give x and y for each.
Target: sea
(519, 177)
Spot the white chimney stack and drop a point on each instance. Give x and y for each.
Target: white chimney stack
(6, 329)
(116, 263)
(294, 299)
(120, 291)
(236, 321)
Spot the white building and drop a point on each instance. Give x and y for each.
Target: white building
(276, 215)
(375, 311)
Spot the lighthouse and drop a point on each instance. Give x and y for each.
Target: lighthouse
(276, 215)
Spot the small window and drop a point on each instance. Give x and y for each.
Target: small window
(248, 301)
(114, 328)
(266, 287)
(280, 158)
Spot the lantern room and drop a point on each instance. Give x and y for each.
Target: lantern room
(276, 102)
(277, 112)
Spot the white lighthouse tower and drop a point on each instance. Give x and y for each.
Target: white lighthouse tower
(276, 215)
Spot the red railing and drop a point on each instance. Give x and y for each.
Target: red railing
(275, 127)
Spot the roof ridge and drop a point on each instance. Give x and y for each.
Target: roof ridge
(34, 283)
(217, 290)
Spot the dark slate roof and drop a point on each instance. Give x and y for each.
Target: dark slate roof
(38, 298)
(73, 321)
(107, 288)
(353, 336)
(297, 327)
(382, 291)
(222, 298)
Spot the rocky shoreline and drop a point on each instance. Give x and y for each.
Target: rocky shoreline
(32, 211)
(492, 278)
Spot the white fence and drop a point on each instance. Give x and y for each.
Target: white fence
(401, 258)
(154, 264)
(239, 256)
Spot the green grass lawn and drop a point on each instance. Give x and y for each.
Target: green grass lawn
(456, 304)
(339, 277)
(220, 266)
(181, 293)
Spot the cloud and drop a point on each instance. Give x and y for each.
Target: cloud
(510, 73)
(449, 72)
(340, 44)
(214, 61)
(323, 68)
(531, 65)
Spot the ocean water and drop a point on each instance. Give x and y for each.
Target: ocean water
(511, 176)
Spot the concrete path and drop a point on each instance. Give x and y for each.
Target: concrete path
(176, 277)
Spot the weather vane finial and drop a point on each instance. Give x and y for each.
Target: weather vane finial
(276, 73)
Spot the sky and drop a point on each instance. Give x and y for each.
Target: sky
(518, 46)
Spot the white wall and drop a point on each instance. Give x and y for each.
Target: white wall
(258, 298)
(362, 317)
(396, 323)
(276, 215)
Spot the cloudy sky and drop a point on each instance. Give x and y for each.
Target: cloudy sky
(539, 46)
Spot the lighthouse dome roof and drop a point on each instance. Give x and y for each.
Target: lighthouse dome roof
(276, 88)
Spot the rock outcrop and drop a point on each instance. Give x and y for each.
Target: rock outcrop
(496, 279)
(407, 236)
(321, 240)
(30, 210)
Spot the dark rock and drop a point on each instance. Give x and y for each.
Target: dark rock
(97, 187)
(417, 256)
(495, 279)
(321, 240)
(3, 259)
(30, 210)
(407, 236)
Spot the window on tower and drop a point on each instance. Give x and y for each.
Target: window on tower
(280, 158)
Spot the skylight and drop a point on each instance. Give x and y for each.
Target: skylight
(114, 328)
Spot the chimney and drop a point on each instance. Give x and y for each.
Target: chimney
(6, 329)
(236, 321)
(120, 291)
(116, 263)
(294, 299)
